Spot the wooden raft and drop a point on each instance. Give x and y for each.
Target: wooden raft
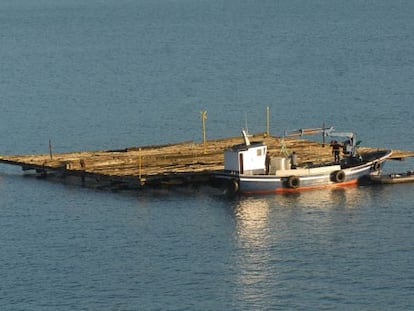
(172, 164)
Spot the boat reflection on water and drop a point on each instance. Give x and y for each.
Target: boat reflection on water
(252, 215)
(348, 197)
(272, 232)
(256, 208)
(253, 239)
(256, 216)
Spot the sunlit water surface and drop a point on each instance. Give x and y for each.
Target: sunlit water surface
(94, 75)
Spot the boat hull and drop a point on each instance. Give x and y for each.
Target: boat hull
(294, 183)
(301, 180)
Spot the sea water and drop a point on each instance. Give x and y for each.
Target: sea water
(106, 74)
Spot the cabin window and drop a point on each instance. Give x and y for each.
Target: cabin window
(259, 152)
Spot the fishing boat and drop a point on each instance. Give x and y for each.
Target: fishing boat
(245, 170)
(393, 178)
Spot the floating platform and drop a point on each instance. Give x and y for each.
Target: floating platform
(184, 163)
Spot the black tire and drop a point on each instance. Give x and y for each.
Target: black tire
(338, 176)
(293, 182)
(232, 187)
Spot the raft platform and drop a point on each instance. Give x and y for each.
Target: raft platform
(184, 163)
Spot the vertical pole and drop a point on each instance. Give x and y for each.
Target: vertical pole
(140, 164)
(267, 121)
(323, 134)
(50, 149)
(203, 115)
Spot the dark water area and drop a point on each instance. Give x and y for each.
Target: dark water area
(95, 75)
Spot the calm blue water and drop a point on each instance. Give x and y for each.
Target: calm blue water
(96, 74)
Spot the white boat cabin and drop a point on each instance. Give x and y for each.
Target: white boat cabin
(246, 159)
(251, 160)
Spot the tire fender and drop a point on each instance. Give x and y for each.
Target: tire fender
(338, 176)
(232, 187)
(293, 182)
